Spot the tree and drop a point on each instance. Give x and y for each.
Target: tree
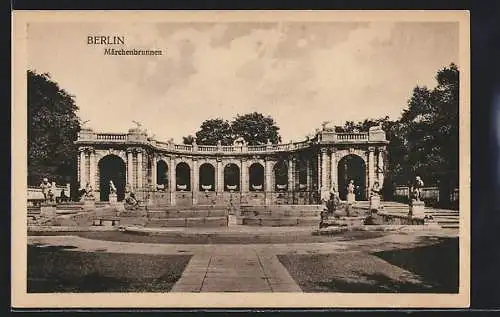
(53, 126)
(188, 140)
(213, 130)
(256, 129)
(428, 133)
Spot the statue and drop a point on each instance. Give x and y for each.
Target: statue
(137, 123)
(351, 197)
(112, 187)
(416, 189)
(89, 191)
(130, 200)
(375, 189)
(50, 196)
(45, 186)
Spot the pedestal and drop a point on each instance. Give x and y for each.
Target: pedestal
(48, 210)
(113, 199)
(88, 203)
(374, 203)
(417, 209)
(351, 198)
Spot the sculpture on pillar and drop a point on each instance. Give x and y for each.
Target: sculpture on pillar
(416, 188)
(351, 197)
(45, 186)
(89, 191)
(375, 197)
(416, 205)
(112, 187)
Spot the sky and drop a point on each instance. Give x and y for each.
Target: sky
(300, 73)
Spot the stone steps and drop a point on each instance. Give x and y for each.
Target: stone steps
(281, 213)
(278, 222)
(192, 207)
(187, 213)
(187, 222)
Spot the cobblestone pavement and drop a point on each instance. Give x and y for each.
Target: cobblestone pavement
(240, 267)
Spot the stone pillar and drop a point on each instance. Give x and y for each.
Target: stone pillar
(92, 169)
(153, 172)
(381, 167)
(219, 187)
(324, 172)
(308, 175)
(83, 171)
(371, 168)
(244, 176)
(319, 172)
(291, 175)
(268, 171)
(171, 181)
(130, 168)
(139, 170)
(195, 180)
(333, 170)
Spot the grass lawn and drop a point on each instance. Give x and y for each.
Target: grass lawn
(56, 269)
(428, 269)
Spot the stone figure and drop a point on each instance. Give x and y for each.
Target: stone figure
(89, 191)
(350, 187)
(45, 186)
(416, 188)
(351, 197)
(50, 195)
(112, 187)
(375, 191)
(63, 197)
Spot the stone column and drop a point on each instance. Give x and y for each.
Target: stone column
(324, 171)
(139, 170)
(371, 167)
(130, 168)
(291, 178)
(92, 168)
(333, 170)
(195, 181)
(308, 175)
(171, 180)
(268, 171)
(219, 187)
(244, 176)
(381, 167)
(83, 170)
(153, 171)
(319, 173)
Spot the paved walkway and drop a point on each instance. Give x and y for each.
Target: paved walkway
(235, 267)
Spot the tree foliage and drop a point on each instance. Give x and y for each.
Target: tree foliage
(53, 126)
(424, 140)
(254, 127)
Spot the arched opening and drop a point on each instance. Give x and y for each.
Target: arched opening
(231, 177)
(256, 177)
(161, 175)
(302, 171)
(112, 168)
(280, 176)
(352, 167)
(183, 177)
(207, 177)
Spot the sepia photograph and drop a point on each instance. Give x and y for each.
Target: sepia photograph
(241, 159)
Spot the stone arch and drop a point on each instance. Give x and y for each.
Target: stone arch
(162, 174)
(231, 177)
(301, 171)
(111, 167)
(256, 177)
(182, 177)
(207, 177)
(352, 167)
(280, 170)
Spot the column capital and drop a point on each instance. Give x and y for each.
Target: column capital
(86, 149)
(333, 150)
(382, 149)
(323, 150)
(371, 149)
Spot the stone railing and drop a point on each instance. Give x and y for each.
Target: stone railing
(112, 136)
(430, 194)
(330, 137)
